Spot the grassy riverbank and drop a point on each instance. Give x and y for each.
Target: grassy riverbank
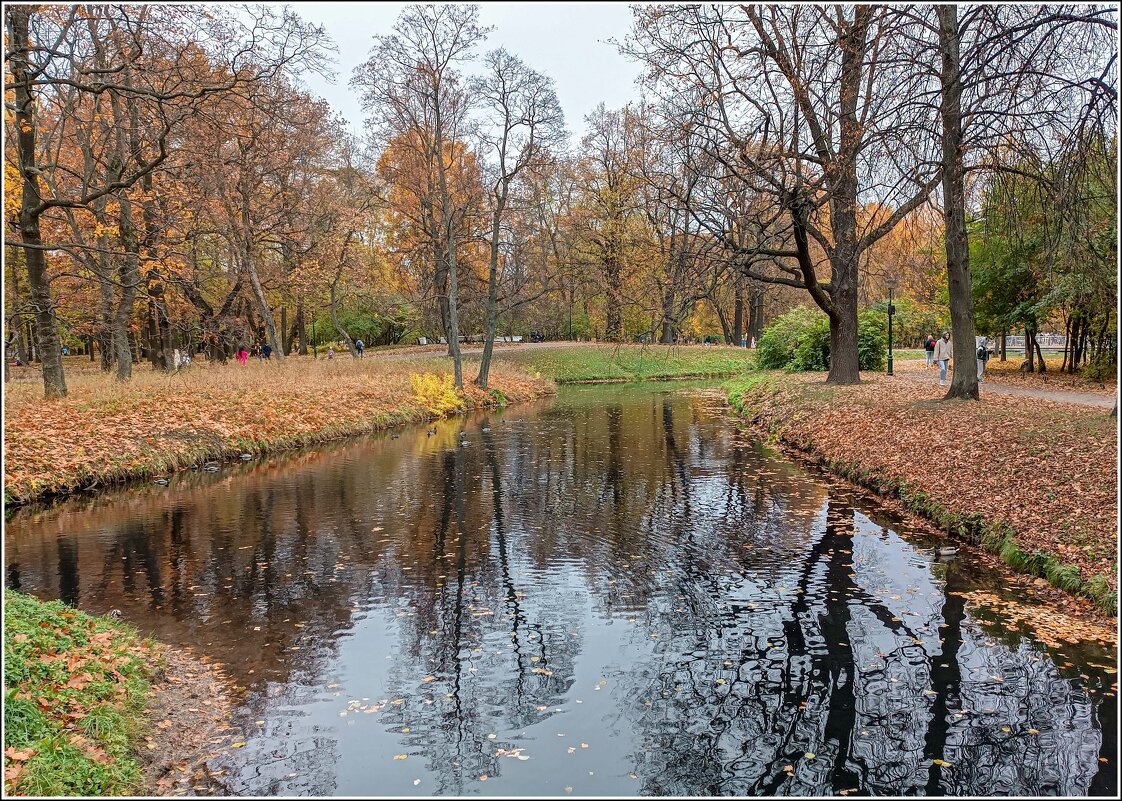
(588, 363)
(74, 698)
(1031, 480)
(104, 431)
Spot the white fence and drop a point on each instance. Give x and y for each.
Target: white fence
(1045, 341)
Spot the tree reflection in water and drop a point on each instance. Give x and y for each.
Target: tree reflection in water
(621, 566)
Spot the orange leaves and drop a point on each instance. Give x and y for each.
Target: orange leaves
(1008, 460)
(158, 423)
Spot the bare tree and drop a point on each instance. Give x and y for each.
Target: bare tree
(522, 122)
(807, 105)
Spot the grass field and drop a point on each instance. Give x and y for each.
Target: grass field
(595, 362)
(74, 698)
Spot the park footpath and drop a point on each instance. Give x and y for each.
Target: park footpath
(1018, 473)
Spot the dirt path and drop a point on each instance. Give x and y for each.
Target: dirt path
(916, 373)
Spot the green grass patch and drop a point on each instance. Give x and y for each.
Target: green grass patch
(76, 687)
(590, 363)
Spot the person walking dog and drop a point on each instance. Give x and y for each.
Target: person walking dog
(944, 351)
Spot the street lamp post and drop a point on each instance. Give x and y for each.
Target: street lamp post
(891, 312)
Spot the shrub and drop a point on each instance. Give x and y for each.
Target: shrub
(436, 394)
(776, 347)
(800, 341)
(872, 339)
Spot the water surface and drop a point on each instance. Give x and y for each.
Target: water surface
(610, 592)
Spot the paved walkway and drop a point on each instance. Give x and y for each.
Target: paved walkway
(930, 376)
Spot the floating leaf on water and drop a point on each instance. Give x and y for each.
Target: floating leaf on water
(401, 756)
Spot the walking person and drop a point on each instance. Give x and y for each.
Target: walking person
(330, 352)
(929, 349)
(983, 357)
(360, 346)
(243, 355)
(267, 351)
(257, 351)
(944, 351)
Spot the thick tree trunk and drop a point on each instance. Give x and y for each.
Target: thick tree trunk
(1004, 334)
(964, 382)
(668, 328)
(299, 330)
(844, 366)
(46, 334)
(613, 330)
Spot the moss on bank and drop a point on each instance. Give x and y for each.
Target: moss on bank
(75, 692)
(790, 413)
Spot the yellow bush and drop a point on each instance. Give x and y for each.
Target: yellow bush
(437, 394)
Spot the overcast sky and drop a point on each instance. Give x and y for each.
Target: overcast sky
(566, 41)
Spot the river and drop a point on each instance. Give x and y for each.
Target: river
(615, 591)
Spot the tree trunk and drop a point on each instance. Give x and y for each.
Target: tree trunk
(286, 342)
(1030, 353)
(964, 382)
(299, 330)
(1067, 346)
(492, 314)
(16, 320)
(46, 334)
(613, 330)
(667, 335)
(263, 305)
(844, 367)
(1004, 334)
(738, 314)
(339, 326)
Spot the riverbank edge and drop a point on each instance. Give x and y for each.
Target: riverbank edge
(749, 401)
(109, 712)
(185, 456)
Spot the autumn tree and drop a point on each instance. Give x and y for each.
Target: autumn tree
(149, 69)
(411, 86)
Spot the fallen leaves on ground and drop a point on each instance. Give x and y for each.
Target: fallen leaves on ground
(104, 431)
(1045, 469)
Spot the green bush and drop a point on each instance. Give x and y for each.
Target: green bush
(776, 347)
(800, 341)
(872, 339)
